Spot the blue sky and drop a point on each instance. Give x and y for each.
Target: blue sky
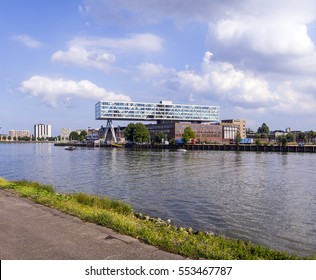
(254, 59)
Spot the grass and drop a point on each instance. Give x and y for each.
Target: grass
(122, 218)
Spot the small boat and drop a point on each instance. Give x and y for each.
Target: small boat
(117, 145)
(69, 148)
(181, 150)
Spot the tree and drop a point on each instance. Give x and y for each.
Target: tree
(301, 137)
(129, 132)
(290, 137)
(82, 135)
(188, 134)
(141, 133)
(237, 138)
(258, 142)
(263, 129)
(264, 135)
(74, 135)
(159, 136)
(136, 133)
(282, 140)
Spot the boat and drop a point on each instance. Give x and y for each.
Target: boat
(181, 150)
(69, 148)
(117, 145)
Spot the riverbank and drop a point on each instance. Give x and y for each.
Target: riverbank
(163, 234)
(30, 231)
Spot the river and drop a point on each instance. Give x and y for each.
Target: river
(267, 198)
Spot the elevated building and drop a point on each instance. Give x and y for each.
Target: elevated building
(164, 113)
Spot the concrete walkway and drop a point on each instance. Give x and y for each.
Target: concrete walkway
(35, 232)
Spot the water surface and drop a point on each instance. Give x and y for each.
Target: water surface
(268, 198)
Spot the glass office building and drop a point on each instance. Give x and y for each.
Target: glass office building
(160, 112)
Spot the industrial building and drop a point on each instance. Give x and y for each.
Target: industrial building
(42, 131)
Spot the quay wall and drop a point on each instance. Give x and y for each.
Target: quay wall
(213, 147)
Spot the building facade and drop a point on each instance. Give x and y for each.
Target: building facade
(204, 132)
(229, 132)
(241, 124)
(15, 134)
(42, 131)
(163, 111)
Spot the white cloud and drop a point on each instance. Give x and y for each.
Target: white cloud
(243, 91)
(144, 42)
(219, 81)
(100, 53)
(265, 36)
(27, 41)
(246, 28)
(297, 97)
(51, 90)
(79, 56)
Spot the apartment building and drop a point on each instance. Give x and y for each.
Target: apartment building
(15, 134)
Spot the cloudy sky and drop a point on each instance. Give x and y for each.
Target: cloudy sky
(255, 59)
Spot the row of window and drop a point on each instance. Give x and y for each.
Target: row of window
(140, 110)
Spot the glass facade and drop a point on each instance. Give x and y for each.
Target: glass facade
(164, 110)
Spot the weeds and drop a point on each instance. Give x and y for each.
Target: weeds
(103, 203)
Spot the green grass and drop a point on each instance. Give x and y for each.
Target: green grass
(122, 218)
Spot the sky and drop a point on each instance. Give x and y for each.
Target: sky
(254, 59)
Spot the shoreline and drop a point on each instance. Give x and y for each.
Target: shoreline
(121, 218)
(189, 147)
(210, 147)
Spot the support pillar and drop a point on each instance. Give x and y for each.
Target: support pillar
(109, 125)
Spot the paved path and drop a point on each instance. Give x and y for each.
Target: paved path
(32, 231)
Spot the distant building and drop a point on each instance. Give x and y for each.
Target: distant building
(15, 134)
(230, 132)
(204, 132)
(236, 123)
(42, 131)
(91, 131)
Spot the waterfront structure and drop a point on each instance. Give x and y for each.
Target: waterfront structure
(204, 132)
(235, 123)
(163, 112)
(42, 131)
(229, 132)
(15, 134)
